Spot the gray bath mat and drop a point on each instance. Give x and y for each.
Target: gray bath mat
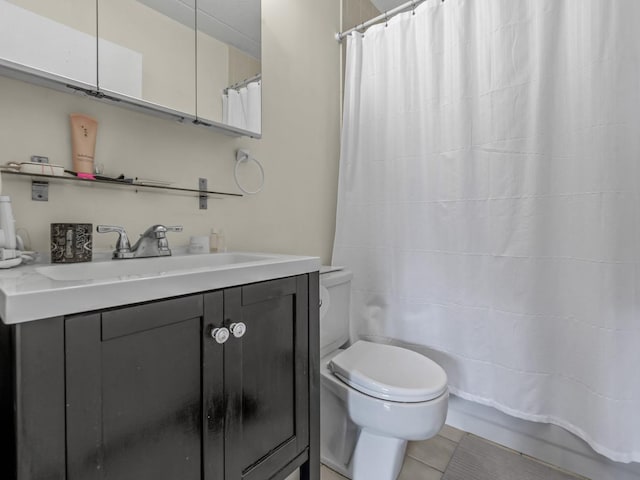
(475, 459)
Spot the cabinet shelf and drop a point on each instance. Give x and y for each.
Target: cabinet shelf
(119, 183)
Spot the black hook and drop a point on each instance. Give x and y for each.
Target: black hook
(413, 5)
(386, 19)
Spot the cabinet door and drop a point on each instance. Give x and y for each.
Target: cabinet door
(266, 377)
(229, 55)
(50, 39)
(136, 406)
(147, 53)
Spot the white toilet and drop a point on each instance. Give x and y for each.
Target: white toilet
(373, 397)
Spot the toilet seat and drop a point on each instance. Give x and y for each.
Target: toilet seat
(389, 373)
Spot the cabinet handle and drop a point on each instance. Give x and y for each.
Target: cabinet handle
(220, 335)
(238, 329)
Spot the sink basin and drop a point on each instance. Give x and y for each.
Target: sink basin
(144, 267)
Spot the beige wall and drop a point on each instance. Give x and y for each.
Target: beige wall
(355, 12)
(295, 213)
(241, 66)
(78, 14)
(213, 76)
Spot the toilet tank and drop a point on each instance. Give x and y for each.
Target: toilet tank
(335, 296)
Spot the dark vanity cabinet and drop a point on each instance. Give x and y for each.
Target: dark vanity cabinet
(146, 392)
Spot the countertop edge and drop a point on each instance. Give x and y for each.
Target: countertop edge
(29, 306)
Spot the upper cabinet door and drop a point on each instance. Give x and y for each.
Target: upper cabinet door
(146, 52)
(229, 84)
(55, 40)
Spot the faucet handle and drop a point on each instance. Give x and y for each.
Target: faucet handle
(159, 231)
(109, 228)
(161, 235)
(122, 245)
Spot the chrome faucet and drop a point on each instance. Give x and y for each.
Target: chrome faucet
(152, 243)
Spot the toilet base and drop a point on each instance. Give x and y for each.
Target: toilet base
(377, 457)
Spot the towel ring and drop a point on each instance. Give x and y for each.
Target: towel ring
(241, 157)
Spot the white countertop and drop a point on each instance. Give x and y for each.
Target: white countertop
(32, 292)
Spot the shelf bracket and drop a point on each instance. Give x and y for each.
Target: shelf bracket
(202, 198)
(39, 191)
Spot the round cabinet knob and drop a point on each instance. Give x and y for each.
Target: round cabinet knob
(238, 329)
(220, 335)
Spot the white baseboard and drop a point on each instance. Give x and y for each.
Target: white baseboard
(549, 443)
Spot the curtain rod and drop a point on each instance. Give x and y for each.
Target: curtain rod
(243, 83)
(385, 16)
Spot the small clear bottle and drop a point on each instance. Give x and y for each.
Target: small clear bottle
(213, 241)
(222, 241)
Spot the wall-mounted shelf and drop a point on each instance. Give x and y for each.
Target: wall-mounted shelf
(119, 183)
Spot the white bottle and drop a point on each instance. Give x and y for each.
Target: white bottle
(7, 225)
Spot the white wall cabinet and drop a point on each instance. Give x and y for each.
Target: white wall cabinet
(171, 56)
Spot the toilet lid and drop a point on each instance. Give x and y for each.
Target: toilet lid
(390, 373)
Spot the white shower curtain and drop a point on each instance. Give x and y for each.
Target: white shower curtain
(489, 204)
(242, 108)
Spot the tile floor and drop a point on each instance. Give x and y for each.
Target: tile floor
(424, 460)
